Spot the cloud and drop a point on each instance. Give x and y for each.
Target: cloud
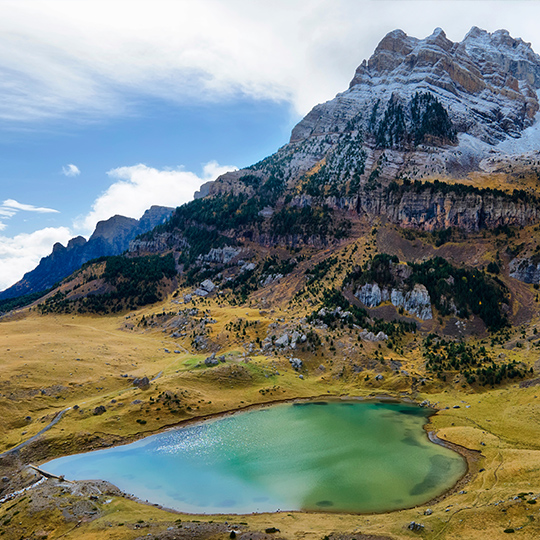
(90, 59)
(22, 253)
(10, 207)
(71, 170)
(138, 187)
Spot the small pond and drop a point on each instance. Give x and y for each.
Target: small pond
(351, 456)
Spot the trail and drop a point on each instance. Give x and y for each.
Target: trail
(54, 421)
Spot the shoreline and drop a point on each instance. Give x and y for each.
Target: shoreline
(470, 456)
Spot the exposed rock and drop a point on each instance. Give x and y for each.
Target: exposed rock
(430, 208)
(414, 526)
(211, 360)
(248, 267)
(526, 270)
(296, 363)
(475, 81)
(370, 295)
(100, 409)
(417, 302)
(282, 341)
(207, 285)
(143, 382)
(271, 279)
(200, 292)
(111, 237)
(222, 255)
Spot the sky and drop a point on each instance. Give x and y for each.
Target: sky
(109, 107)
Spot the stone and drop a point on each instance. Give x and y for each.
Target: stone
(296, 363)
(370, 295)
(211, 360)
(100, 409)
(379, 377)
(141, 382)
(187, 298)
(428, 512)
(416, 302)
(248, 267)
(282, 341)
(200, 292)
(208, 286)
(414, 526)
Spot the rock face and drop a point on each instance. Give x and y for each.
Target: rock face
(431, 209)
(525, 270)
(416, 301)
(418, 108)
(487, 83)
(111, 237)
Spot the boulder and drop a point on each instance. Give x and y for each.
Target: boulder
(416, 302)
(100, 409)
(141, 382)
(370, 295)
(207, 285)
(296, 363)
(211, 360)
(282, 341)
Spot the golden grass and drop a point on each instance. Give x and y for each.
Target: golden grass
(50, 363)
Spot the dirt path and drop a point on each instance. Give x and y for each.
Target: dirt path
(55, 420)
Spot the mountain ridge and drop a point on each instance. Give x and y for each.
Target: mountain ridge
(110, 237)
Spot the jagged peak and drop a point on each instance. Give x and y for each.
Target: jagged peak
(76, 242)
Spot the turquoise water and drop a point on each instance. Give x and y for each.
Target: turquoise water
(347, 456)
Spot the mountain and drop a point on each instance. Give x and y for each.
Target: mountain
(417, 110)
(431, 142)
(111, 237)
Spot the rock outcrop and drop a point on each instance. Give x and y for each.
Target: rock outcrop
(526, 270)
(431, 209)
(416, 301)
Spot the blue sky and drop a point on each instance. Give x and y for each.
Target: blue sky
(110, 107)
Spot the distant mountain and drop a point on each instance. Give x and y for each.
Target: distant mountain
(111, 237)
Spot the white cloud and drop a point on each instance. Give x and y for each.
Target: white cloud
(138, 187)
(22, 253)
(71, 170)
(10, 207)
(88, 58)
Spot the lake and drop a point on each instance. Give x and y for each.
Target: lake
(338, 456)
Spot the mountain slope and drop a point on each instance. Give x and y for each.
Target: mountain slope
(111, 237)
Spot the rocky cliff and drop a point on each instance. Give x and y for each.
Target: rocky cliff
(417, 109)
(111, 237)
(487, 83)
(434, 207)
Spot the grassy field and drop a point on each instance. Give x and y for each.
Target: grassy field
(51, 363)
(76, 363)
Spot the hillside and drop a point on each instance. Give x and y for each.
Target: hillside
(111, 237)
(390, 249)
